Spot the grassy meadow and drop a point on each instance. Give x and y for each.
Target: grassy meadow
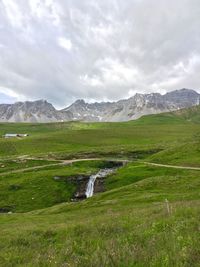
(147, 216)
(68, 140)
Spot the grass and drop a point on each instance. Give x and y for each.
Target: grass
(148, 216)
(149, 133)
(16, 164)
(190, 114)
(135, 172)
(126, 226)
(186, 154)
(22, 192)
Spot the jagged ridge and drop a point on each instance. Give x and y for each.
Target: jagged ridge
(122, 110)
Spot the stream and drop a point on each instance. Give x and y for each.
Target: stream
(90, 185)
(87, 186)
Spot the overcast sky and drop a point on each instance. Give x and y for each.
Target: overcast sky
(62, 50)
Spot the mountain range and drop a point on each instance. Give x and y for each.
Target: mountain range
(122, 110)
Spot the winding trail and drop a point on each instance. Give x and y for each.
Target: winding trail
(60, 163)
(172, 166)
(68, 162)
(30, 169)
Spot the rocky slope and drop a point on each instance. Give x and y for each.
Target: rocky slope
(134, 107)
(37, 111)
(123, 110)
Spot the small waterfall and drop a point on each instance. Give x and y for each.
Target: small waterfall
(90, 185)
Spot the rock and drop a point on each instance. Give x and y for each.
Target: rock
(80, 195)
(122, 110)
(36, 111)
(56, 178)
(5, 209)
(134, 107)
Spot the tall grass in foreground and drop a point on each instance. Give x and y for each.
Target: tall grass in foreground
(131, 236)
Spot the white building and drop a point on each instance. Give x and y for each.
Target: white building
(14, 135)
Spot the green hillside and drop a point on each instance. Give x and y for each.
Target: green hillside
(147, 215)
(190, 114)
(153, 132)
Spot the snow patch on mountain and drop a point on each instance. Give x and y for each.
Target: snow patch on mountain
(122, 110)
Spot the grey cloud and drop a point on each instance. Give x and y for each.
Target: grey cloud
(116, 48)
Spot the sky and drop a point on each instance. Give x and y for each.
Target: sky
(97, 50)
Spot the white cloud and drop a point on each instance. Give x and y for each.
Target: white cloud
(64, 50)
(65, 43)
(91, 81)
(13, 12)
(10, 94)
(114, 71)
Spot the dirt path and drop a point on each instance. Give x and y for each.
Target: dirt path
(172, 166)
(30, 169)
(67, 162)
(61, 163)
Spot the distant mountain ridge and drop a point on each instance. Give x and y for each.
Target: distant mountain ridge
(36, 111)
(122, 110)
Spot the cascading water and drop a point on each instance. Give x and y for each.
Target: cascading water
(90, 185)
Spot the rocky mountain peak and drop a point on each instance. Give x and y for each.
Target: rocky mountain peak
(122, 110)
(79, 102)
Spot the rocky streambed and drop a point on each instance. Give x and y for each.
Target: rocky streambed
(87, 186)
